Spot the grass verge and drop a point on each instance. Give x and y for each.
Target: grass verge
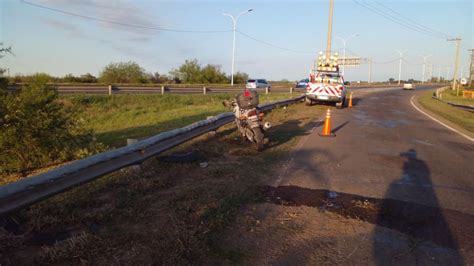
(168, 213)
(116, 118)
(450, 96)
(461, 118)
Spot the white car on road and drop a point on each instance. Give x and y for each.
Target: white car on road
(257, 84)
(408, 86)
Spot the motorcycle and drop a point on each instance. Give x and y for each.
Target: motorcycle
(249, 118)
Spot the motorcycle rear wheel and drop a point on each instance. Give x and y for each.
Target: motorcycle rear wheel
(259, 138)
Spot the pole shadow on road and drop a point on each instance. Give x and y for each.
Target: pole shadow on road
(356, 101)
(416, 221)
(285, 132)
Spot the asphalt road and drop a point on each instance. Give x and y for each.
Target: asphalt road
(373, 141)
(418, 174)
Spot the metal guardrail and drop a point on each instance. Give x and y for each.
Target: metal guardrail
(33, 189)
(438, 96)
(460, 106)
(168, 89)
(174, 89)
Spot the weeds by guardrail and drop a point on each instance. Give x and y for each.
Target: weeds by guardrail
(30, 190)
(439, 96)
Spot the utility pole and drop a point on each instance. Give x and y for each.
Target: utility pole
(447, 73)
(471, 67)
(424, 66)
(329, 37)
(370, 70)
(456, 62)
(400, 65)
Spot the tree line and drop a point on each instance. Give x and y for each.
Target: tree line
(190, 72)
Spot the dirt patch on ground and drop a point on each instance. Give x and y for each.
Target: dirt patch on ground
(415, 220)
(306, 226)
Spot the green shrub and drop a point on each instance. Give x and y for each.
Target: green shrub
(38, 130)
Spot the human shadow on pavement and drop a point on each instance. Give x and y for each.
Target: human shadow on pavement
(406, 231)
(418, 222)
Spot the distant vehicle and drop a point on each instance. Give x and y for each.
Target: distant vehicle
(257, 84)
(302, 84)
(464, 81)
(408, 86)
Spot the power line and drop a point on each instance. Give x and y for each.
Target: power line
(374, 62)
(410, 63)
(273, 45)
(385, 62)
(121, 23)
(434, 31)
(160, 29)
(395, 19)
(403, 22)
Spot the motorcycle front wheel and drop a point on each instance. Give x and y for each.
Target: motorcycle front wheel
(258, 138)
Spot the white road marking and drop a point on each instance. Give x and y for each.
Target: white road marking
(446, 126)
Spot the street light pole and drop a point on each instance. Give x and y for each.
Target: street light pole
(424, 67)
(400, 65)
(344, 49)
(439, 74)
(234, 21)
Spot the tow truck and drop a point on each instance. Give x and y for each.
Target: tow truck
(326, 83)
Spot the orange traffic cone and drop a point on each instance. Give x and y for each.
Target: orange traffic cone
(350, 100)
(327, 126)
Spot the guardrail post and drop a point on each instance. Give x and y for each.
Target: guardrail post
(291, 90)
(266, 90)
(110, 89)
(162, 90)
(204, 90)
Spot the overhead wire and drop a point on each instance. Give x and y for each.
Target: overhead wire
(394, 19)
(410, 63)
(121, 23)
(272, 45)
(413, 21)
(386, 62)
(188, 31)
(162, 29)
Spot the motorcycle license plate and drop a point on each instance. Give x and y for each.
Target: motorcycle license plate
(323, 97)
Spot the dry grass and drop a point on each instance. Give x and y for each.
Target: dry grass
(166, 214)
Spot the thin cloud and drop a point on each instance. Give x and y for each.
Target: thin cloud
(117, 10)
(65, 26)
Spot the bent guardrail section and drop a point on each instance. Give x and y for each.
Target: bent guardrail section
(33, 189)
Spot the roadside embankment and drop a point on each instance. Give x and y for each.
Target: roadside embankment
(458, 118)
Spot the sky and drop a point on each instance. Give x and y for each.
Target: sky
(285, 36)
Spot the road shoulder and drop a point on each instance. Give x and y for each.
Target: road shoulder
(414, 100)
